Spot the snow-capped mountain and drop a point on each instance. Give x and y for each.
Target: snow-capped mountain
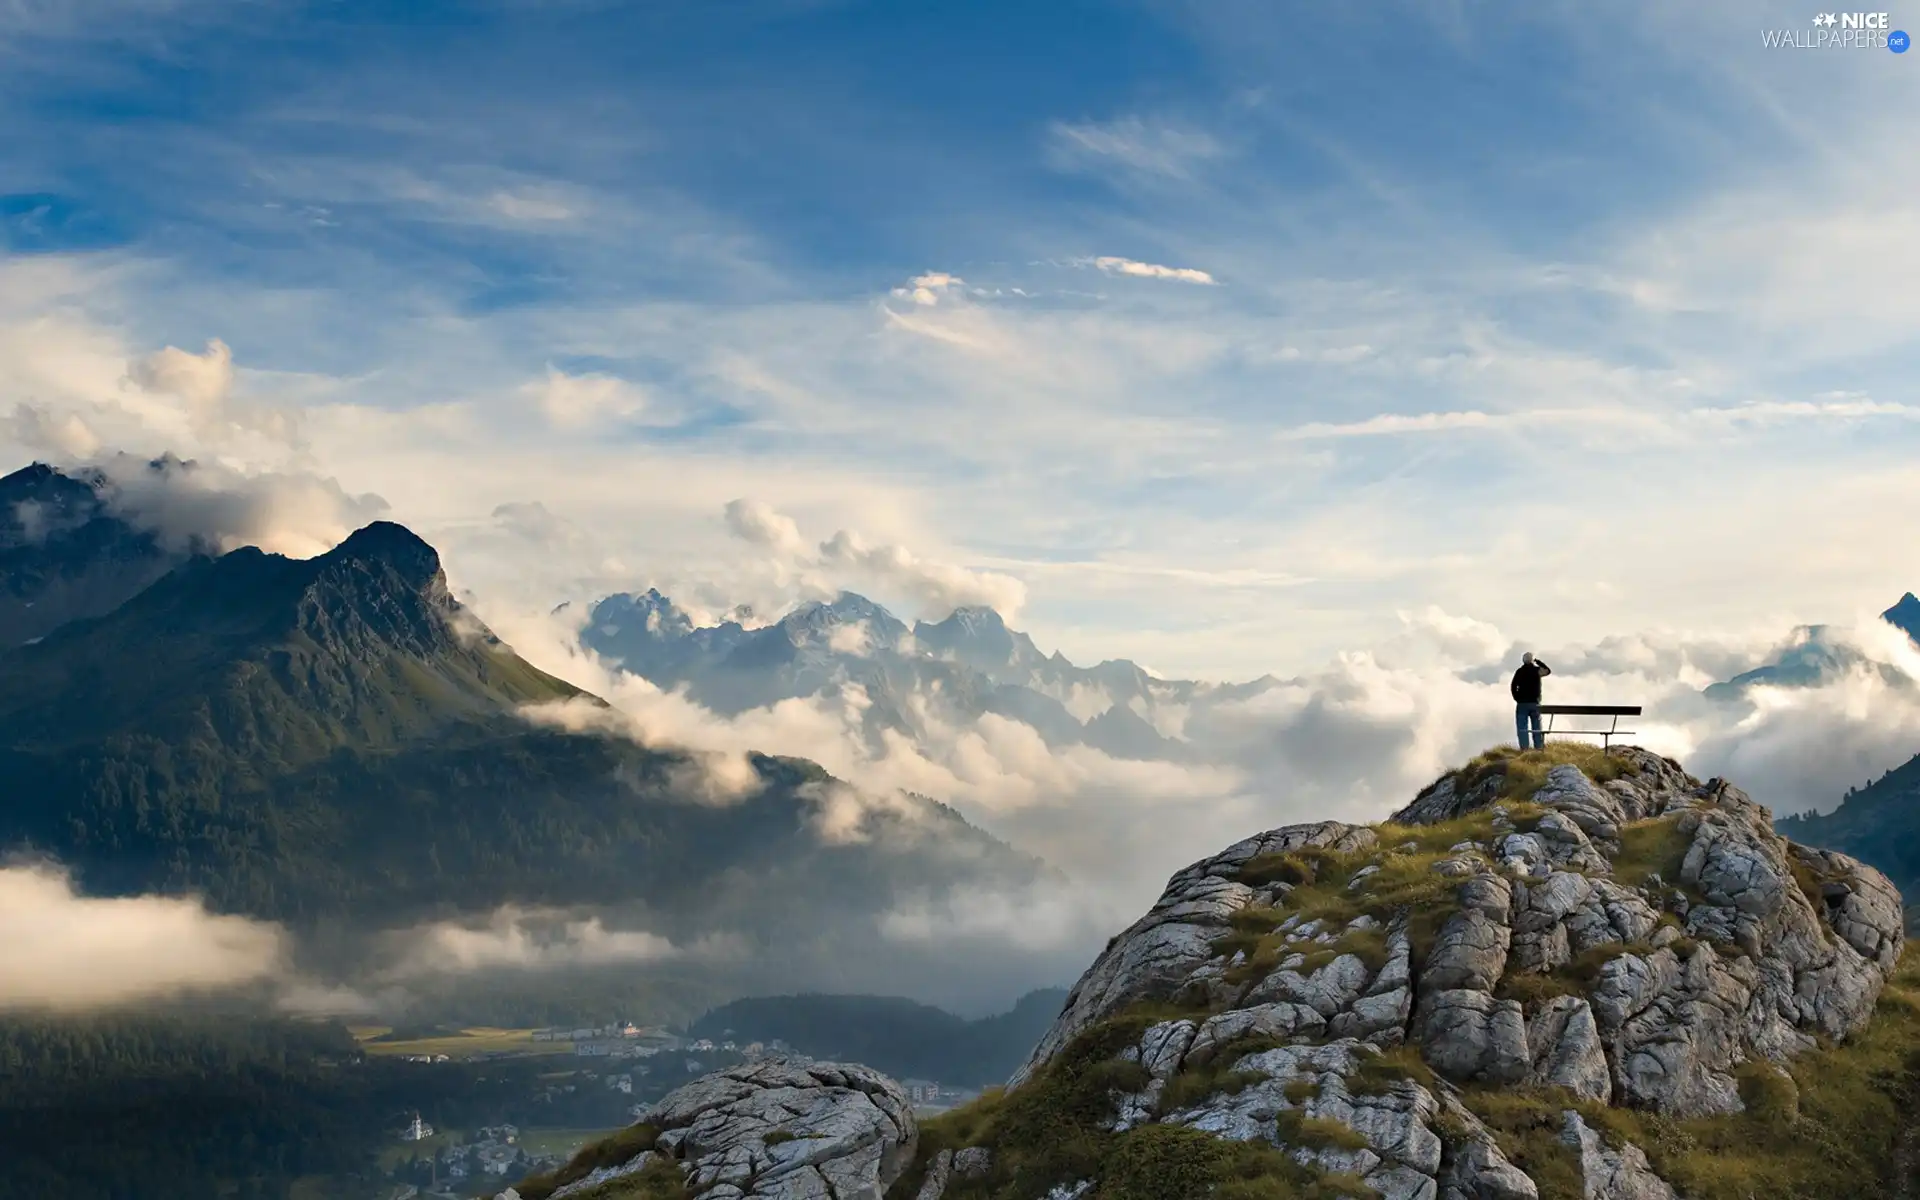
(949, 672)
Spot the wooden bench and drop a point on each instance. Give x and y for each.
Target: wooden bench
(1613, 730)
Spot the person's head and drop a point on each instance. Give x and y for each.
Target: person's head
(1527, 658)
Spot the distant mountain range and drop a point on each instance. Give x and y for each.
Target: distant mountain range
(1814, 657)
(953, 672)
(905, 1039)
(1878, 823)
(337, 739)
(949, 672)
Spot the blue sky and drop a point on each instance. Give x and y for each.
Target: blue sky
(1363, 344)
(1215, 335)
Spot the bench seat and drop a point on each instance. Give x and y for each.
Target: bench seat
(1613, 730)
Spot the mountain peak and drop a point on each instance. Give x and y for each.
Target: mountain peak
(977, 616)
(649, 614)
(846, 609)
(64, 555)
(33, 475)
(1905, 616)
(39, 497)
(393, 545)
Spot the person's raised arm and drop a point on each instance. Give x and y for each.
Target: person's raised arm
(1544, 668)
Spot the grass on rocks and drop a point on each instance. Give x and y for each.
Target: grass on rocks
(613, 1151)
(1527, 1124)
(1405, 883)
(658, 1180)
(1378, 1073)
(1213, 1074)
(1579, 976)
(1324, 889)
(1524, 772)
(1843, 1123)
(1157, 1162)
(1652, 847)
(1053, 1130)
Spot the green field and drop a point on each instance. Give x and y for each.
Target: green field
(469, 1043)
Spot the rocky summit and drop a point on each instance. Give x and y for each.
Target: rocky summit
(1569, 973)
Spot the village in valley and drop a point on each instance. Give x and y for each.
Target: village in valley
(580, 1083)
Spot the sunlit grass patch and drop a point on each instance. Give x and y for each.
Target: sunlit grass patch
(1441, 836)
(622, 1147)
(1521, 773)
(1651, 847)
(1055, 1129)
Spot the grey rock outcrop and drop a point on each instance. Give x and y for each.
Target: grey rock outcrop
(1642, 941)
(1165, 950)
(1609, 1174)
(1562, 960)
(846, 1131)
(1564, 1043)
(1401, 1152)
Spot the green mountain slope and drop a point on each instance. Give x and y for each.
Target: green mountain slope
(1879, 824)
(335, 737)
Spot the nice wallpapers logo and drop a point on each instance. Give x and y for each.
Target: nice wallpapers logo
(1841, 31)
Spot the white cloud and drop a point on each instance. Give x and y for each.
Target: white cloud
(1133, 143)
(202, 386)
(852, 638)
(202, 380)
(1142, 270)
(296, 514)
(928, 290)
(847, 561)
(64, 438)
(520, 939)
(1352, 740)
(575, 401)
(759, 523)
(938, 588)
(1041, 918)
(67, 951)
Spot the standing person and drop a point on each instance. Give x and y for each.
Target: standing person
(1526, 700)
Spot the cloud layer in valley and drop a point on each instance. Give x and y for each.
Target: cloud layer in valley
(71, 952)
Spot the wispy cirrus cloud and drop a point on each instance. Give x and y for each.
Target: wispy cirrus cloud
(1131, 143)
(1146, 451)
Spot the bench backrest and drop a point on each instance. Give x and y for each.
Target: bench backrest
(1591, 710)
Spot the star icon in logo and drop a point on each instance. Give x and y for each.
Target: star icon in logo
(1825, 20)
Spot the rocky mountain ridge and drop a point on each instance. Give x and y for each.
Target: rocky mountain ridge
(65, 555)
(337, 738)
(951, 671)
(1552, 975)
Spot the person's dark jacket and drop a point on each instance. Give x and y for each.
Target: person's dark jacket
(1526, 682)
